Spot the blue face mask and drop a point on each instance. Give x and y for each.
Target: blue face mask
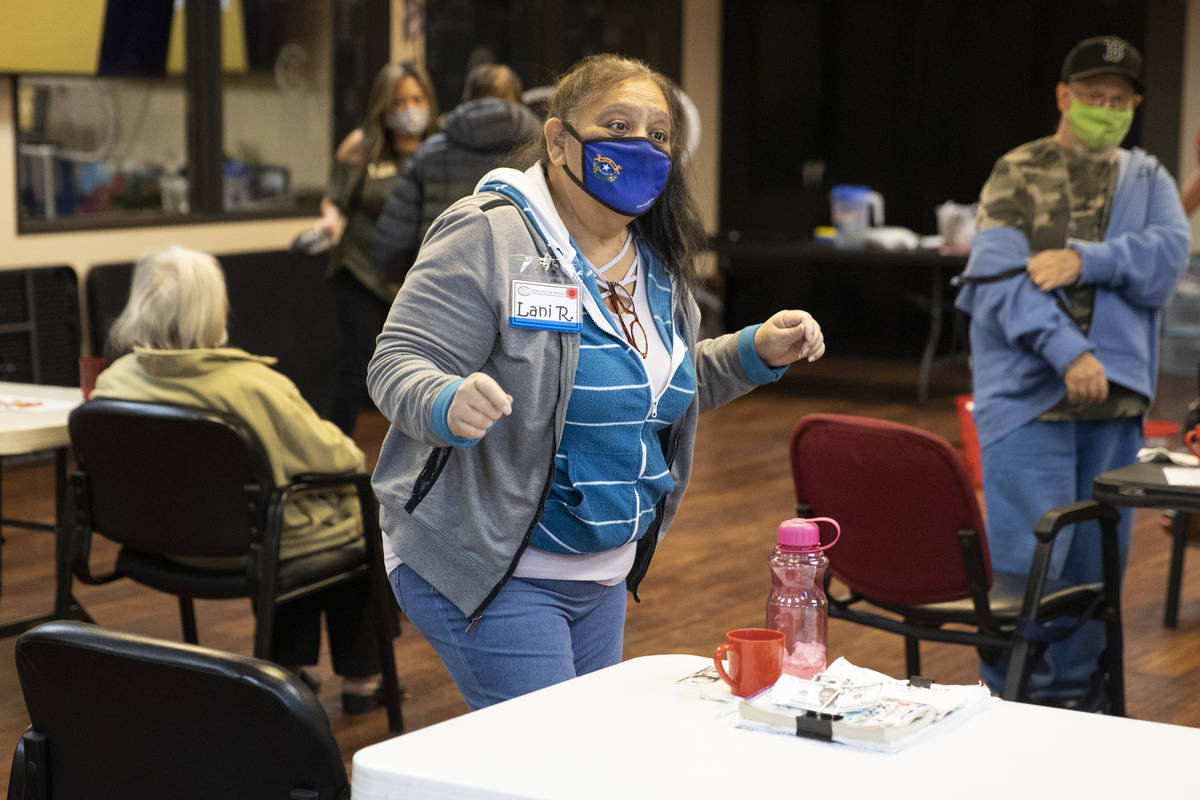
(624, 173)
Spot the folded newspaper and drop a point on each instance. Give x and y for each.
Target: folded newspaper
(860, 707)
(1180, 457)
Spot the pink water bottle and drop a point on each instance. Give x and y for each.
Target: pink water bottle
(797, 604)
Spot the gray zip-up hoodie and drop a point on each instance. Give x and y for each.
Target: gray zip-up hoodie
(460, 518)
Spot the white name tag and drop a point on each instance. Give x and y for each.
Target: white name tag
(546, 306)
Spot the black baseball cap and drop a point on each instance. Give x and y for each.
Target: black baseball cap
(1103, 55)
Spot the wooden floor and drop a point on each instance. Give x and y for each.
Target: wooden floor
(709, 576)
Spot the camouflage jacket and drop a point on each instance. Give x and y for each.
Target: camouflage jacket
(1033, 187)
(1056, 196)
(1022, 341)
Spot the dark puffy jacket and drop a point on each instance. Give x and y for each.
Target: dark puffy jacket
(475, 139)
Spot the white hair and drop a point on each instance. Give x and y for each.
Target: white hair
(176, 301)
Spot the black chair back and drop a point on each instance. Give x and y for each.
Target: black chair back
(118, 715)
(166, 481)
(144, 496)
(280, 304)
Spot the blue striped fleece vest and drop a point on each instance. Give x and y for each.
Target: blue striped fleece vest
(609, 469)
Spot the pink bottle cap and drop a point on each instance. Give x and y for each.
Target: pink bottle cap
(799, 532)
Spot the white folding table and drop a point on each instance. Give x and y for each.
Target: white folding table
(629, 732)
(34, 418)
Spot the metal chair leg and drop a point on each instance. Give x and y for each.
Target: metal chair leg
(392, 693)
(912, 655)
(264, 629)
(1179, 538)
(187, 616)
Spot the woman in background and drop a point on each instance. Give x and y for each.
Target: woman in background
(477, 136)
(401, 112)
(172, 332)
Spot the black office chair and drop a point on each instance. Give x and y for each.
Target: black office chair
(162, 479)
(913, 544)
(119, 715)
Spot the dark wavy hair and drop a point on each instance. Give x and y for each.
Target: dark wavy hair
(672, 227)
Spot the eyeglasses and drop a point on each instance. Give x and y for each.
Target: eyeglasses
(620, 302)
(1095, 97)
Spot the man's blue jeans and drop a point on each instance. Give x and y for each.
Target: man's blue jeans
(1035, 468)
(533, 634)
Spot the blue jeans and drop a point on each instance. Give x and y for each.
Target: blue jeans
(1035, 468)
(533, 634)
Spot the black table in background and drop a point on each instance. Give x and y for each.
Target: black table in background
(1143, 485)
(763, 275)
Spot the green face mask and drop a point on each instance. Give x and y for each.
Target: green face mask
(1099, 127)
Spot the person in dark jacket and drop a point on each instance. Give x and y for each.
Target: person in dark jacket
(475, 139)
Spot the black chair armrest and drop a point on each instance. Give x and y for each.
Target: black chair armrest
(74, 537)
(1055, 520)
(1058, 518)
(30, 772)
(361, 481)
(1046, 529)
(16, 775)
(324, 480)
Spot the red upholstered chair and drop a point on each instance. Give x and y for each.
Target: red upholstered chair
(913, 546)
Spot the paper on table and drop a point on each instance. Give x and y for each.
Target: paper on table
(1179, 457)
(1182, 476)
(33, 405)
(899, 714)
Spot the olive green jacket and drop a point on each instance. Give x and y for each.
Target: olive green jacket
(296, 440)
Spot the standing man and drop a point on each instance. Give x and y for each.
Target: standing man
(1066, 349)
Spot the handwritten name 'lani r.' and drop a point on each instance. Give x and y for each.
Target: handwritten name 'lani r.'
(539, 311)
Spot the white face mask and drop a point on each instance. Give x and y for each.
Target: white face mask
(410, 121)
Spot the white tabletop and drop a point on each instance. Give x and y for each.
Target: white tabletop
(34, 417)
(627, 732)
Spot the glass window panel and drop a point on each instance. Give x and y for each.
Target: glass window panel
(94, 147)
(277, 103)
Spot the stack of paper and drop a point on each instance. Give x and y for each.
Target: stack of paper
(1180, 457)
(860, 707)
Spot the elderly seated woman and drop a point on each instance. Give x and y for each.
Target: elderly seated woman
(171, 340)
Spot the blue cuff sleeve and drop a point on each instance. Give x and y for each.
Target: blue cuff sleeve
(1066, 345)
(438, 413)
(756, 369)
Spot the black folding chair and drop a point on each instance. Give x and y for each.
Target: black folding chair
(118, 716)
(163, 480)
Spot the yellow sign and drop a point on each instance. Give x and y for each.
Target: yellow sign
(233, 39)
(37, 39)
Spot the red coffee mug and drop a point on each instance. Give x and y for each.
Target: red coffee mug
(1190, 440)
(755, 659)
